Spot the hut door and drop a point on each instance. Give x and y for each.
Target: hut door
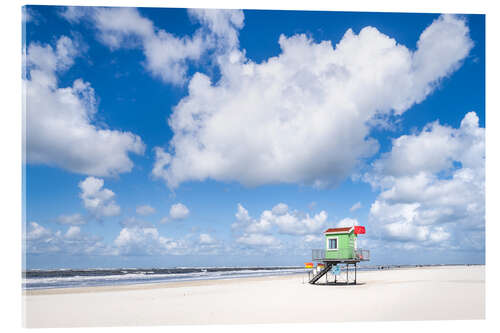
(355, 243)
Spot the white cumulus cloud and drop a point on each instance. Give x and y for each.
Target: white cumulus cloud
(258, 240)
(206, 239)
(99, 201)
(249, 225)
(355, 207)
(72, 232)
(432, 186)
(42, 240)
(178, 211)
(73, 219)
(36, 231)
(167, 56)
(145, 210)
(347, 222)
(147, 241)
(294, 224)
(224, 24)
(134, 222)
(60, 129)
(73, 14)
(280, 209)
(281, 219)
(305, 115)
(312, 238)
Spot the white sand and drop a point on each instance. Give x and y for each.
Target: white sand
(398, 294)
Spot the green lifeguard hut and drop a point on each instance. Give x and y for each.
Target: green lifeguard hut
(340, 248)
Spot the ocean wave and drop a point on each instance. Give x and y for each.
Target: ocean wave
(75, 278)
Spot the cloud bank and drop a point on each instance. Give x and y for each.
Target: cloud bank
(134, 239)
(305, 115)
(279, 220)
(432, 187)
(167, 56)
(42, 240)
(60, 129)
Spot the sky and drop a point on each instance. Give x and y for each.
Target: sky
(158, 137)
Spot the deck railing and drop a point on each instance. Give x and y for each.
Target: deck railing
(363, 254)
(341, 254)
(318, 254)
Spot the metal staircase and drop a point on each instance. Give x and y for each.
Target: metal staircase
(321, 273)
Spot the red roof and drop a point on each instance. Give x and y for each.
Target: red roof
(357, 230)
(338, 230)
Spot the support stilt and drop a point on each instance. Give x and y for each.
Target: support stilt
(316, 275)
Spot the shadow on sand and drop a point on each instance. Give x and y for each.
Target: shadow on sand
(339, 284)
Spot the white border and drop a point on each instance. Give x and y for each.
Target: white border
(11, 166)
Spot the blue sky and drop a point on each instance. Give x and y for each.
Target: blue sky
(167, 137)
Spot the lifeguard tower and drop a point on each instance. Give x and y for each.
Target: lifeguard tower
(340, 249)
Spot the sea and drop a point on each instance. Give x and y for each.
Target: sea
(73, 278)
(69, 278)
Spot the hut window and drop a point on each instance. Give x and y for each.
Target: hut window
(332, 243)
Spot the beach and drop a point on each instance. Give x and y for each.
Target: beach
(420, 293)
